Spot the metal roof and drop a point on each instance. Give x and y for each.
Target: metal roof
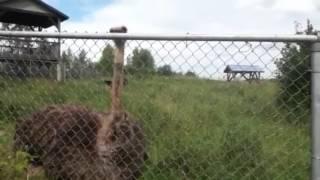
(30, 13)
(243, 68)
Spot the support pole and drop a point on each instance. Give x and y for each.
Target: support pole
(60, 65)
(315, 99)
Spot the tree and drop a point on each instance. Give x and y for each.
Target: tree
(294, 77)
(26, 47)
(190, 74)
(82, 58)
(106, 61)
(20, 43)
(165, 70)
(68, 58)
(141, 62)
(79, 65)
(18, 47)
(15, 27)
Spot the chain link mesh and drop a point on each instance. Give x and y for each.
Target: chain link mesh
(196, 110)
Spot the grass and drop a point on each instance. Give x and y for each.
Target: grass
(196, 129)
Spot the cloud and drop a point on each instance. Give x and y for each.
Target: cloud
(196, 17)
(268, 3)
(202, 16)
(297, 6)
(279, 5)
(317, 4)
(144, 16)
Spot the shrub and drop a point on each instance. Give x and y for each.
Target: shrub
(295, 78)
(165, 70)
(13, 166)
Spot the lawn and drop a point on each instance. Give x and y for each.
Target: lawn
(196, 129)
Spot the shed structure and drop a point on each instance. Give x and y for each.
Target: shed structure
(23, 52)
(248, 72)
(30, 13)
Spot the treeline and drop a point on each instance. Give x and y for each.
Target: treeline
(139, 63)
(77, 66)
(26, 56)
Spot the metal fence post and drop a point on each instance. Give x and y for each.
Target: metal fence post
(60, 65)
(315, 99)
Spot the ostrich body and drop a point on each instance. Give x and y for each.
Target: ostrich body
(72, 142)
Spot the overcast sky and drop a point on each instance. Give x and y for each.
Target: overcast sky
(189, 16)
(213, 17)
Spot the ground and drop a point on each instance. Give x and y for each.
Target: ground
(196, 129)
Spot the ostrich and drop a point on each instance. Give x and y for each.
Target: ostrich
(73, 142)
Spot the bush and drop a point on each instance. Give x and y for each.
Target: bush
(295, 78)
(165, 70)
(106, 61)
(9, 112)
(141, 62)
(13, 166)
(191, 74)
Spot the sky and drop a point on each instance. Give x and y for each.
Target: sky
(207, 17)
(189, 16)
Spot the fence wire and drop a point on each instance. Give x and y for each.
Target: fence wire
(196, 109)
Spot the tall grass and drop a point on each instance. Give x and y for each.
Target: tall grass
(196, 129)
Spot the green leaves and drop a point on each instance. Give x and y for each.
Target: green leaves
(106, 61)
(141, 62)
(13, 166)
(295, 78)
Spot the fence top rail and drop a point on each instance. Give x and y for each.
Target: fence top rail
(164, 37)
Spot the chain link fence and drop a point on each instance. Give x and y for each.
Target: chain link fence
(199, 107)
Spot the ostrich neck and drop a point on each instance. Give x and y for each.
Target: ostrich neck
(117, 81)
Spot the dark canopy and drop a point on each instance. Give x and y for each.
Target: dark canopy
(30, 13)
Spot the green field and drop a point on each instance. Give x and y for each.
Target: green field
(196, 129)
